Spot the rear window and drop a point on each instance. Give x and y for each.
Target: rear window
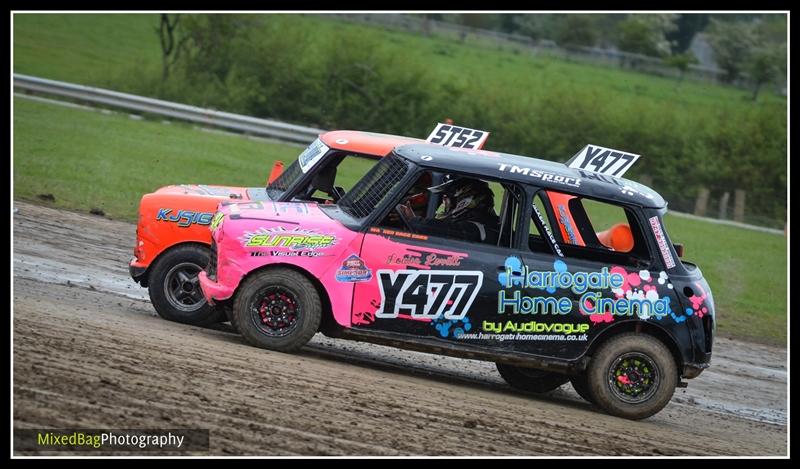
(373, 188)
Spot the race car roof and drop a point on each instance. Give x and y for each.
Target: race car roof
(542, 173)
(367, 143)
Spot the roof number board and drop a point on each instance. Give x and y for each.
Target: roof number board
(458, 137)
(603, 160)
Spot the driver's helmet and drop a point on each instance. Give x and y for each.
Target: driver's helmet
(464, 198)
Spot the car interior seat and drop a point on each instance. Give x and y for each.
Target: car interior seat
(323, 181)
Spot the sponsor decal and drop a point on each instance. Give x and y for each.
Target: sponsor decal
(429, 259)
(427, 294)
(290, 207)
(312, 155)
(631, 188)
(625, 301)
(401, 234)
(533, 326)
(295, 239)
(547, 231)
(257, 205)
(655, 224)
(296, 254)
(603, 160)
(184, 218)
(519, 336)
(353, 269)
(216, 222)
(209, 190)
(530, 330)
(539, 174)
(457, 137)
(565, 222)
(626, 186)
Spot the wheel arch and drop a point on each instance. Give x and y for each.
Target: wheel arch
(639, 327)
(144, 280)
(327, 321)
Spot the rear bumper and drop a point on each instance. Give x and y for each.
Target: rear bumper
(213, 291)
(693, 370)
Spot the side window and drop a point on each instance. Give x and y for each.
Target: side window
(352, 168)
(467, 209)
(590, 229)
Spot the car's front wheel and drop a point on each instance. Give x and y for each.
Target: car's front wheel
(632, 376)
(529, 379)
(174, 287)
(277, 309)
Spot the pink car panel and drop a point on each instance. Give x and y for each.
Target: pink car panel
(274, 233)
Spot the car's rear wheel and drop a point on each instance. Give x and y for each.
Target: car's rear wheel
(277, 309)
(174, 287)
(529, 379)
(632, 376)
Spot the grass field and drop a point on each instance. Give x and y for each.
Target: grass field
(84, 48)
(91, 160)
(101, 49)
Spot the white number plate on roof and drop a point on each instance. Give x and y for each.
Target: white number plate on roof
(458, 137)
(603, 160)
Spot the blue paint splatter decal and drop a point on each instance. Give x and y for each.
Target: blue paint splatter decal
(454, 328)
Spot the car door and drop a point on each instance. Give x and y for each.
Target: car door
(431, 286)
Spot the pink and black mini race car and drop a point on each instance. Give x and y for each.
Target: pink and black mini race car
(554, 272)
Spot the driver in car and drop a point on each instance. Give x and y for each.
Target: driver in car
(468, 212)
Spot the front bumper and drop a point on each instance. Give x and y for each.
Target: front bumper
(138, 272)
(213, 291)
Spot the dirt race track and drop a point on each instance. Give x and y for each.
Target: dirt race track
(90, 352)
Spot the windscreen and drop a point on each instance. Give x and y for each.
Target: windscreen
(307, 159)
(287, 178)
(373, 188)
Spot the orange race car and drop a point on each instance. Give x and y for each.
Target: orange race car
(173, 238)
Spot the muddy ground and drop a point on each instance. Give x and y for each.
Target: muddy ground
(90, 352)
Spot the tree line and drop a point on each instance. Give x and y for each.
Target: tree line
(751, 47)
